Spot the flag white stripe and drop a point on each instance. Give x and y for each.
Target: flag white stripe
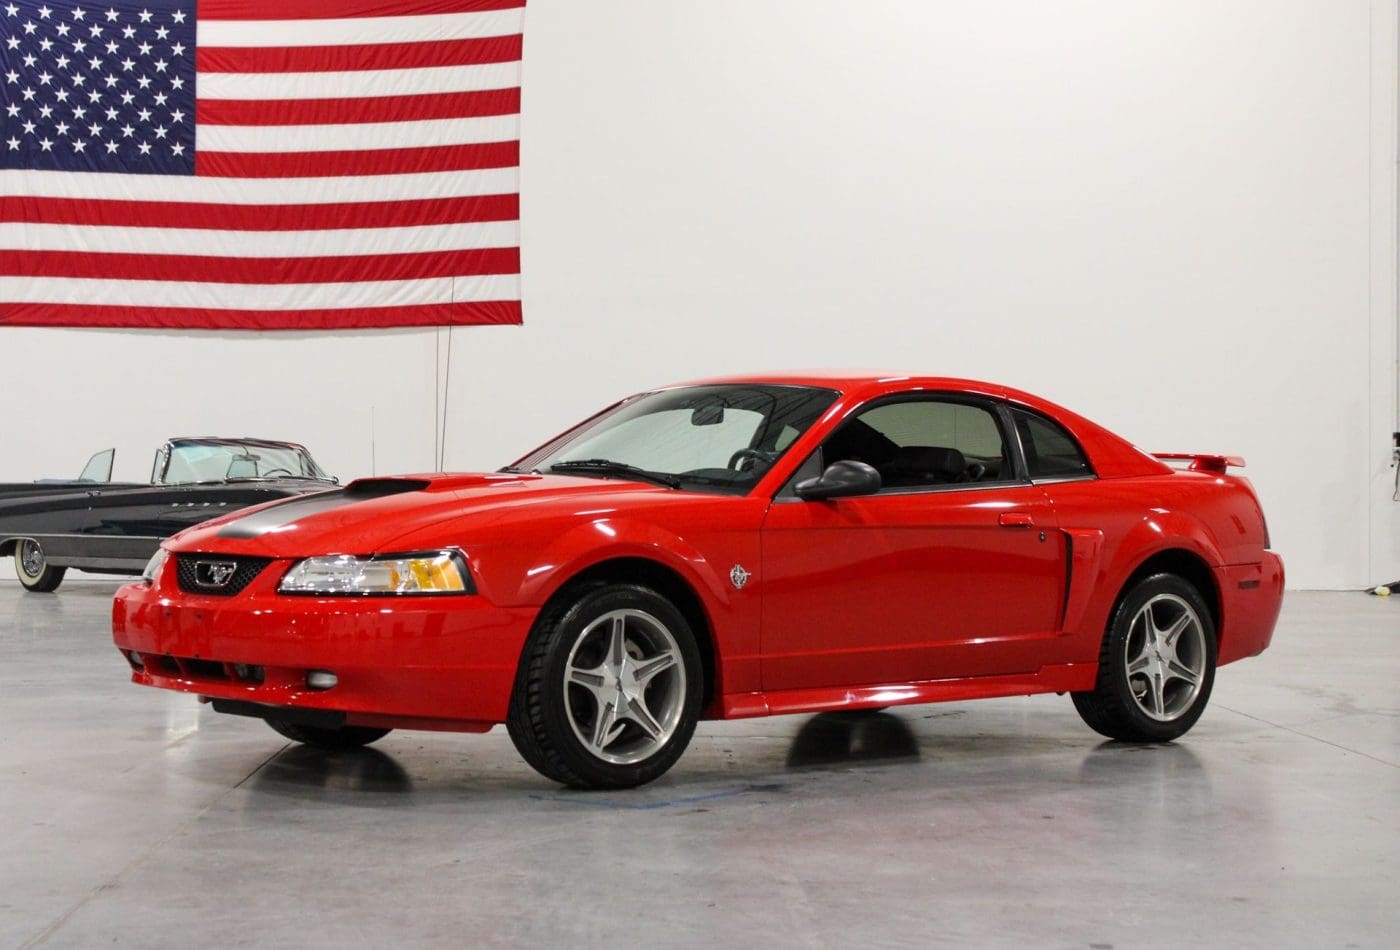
(283, 244)
(359, 83)
(156, 293)
(360, 31)
(369, 135)
(258, 191)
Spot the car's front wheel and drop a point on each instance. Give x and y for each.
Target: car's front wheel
(1157, 664)
(34, 570)
(332, 740)
(609, 689)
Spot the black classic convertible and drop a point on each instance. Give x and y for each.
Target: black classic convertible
(106, 527)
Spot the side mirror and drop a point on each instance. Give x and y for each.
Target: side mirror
(840, 480)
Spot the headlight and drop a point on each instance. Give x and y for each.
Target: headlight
(154, 565)
(428, 572)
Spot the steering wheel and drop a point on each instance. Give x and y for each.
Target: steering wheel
(973, 472)
(737, 459)
(273, 471)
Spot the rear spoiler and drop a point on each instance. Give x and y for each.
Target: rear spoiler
(1213, 464)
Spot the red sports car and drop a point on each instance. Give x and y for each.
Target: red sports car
(736, 547)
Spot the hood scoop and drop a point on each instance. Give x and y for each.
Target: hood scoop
(362, 488)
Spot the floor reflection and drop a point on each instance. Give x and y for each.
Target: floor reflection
(844, 738)
(1166, 762)
(1158, 790)
(302, 768)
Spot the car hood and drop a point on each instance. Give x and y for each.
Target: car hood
(367, 516)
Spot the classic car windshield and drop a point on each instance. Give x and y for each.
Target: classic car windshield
(707, 438)
(211, 461)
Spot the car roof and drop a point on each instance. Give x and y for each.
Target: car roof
(1111, 454)
(848, 381)
(832, 379)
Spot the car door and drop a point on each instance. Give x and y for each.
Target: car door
(954, 568)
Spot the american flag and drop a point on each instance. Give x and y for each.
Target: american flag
(260, 164)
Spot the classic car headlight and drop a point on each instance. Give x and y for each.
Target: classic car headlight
(427, 572)
(153, 566)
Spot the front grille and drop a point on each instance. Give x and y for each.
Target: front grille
(190, 573)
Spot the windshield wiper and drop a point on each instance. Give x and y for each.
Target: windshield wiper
(609, 467)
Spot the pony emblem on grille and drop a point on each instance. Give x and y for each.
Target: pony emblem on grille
(213, 573)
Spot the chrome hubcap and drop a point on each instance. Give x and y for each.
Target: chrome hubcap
(625, 686)
(1166, 657)
(31, 558)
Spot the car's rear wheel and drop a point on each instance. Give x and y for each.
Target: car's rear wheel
(332, 740)
(34, 570)
(1157, 664)
(609, 689)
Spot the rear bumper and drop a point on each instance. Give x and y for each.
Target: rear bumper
(439, 663)
(1251, 596)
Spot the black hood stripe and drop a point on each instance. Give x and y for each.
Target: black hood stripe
(270, 519)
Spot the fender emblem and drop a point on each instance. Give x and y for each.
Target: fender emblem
(738, 576)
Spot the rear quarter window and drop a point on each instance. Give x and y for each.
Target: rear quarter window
(1051, 452)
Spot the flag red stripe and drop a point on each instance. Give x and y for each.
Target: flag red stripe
(222, 217)
(381, 161)
(443, 105)
(426, 315)
(341, 9)
(262, 270)
(336, 59)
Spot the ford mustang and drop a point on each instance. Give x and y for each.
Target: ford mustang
(736, 547)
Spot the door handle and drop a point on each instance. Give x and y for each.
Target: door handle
(1016, 519)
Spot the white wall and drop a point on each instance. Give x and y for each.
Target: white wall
(1175, 217)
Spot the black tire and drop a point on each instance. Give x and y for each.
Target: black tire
(550, 709)
(35, 573)
(1152, 696)
(331, 740)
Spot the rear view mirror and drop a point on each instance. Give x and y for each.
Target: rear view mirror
(711, 415)
(842, 479)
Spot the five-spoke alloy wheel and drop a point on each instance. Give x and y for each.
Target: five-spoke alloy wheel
(1164, 656)
(1157, 664)
(609, 689)
(34, 570)
(625, 688)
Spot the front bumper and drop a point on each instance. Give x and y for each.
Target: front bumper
(407, 662)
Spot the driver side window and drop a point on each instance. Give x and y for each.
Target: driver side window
(924, 443)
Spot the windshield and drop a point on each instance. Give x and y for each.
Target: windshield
(705, 438)
(218, 461)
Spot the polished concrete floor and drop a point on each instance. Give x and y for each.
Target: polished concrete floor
(131, 817)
